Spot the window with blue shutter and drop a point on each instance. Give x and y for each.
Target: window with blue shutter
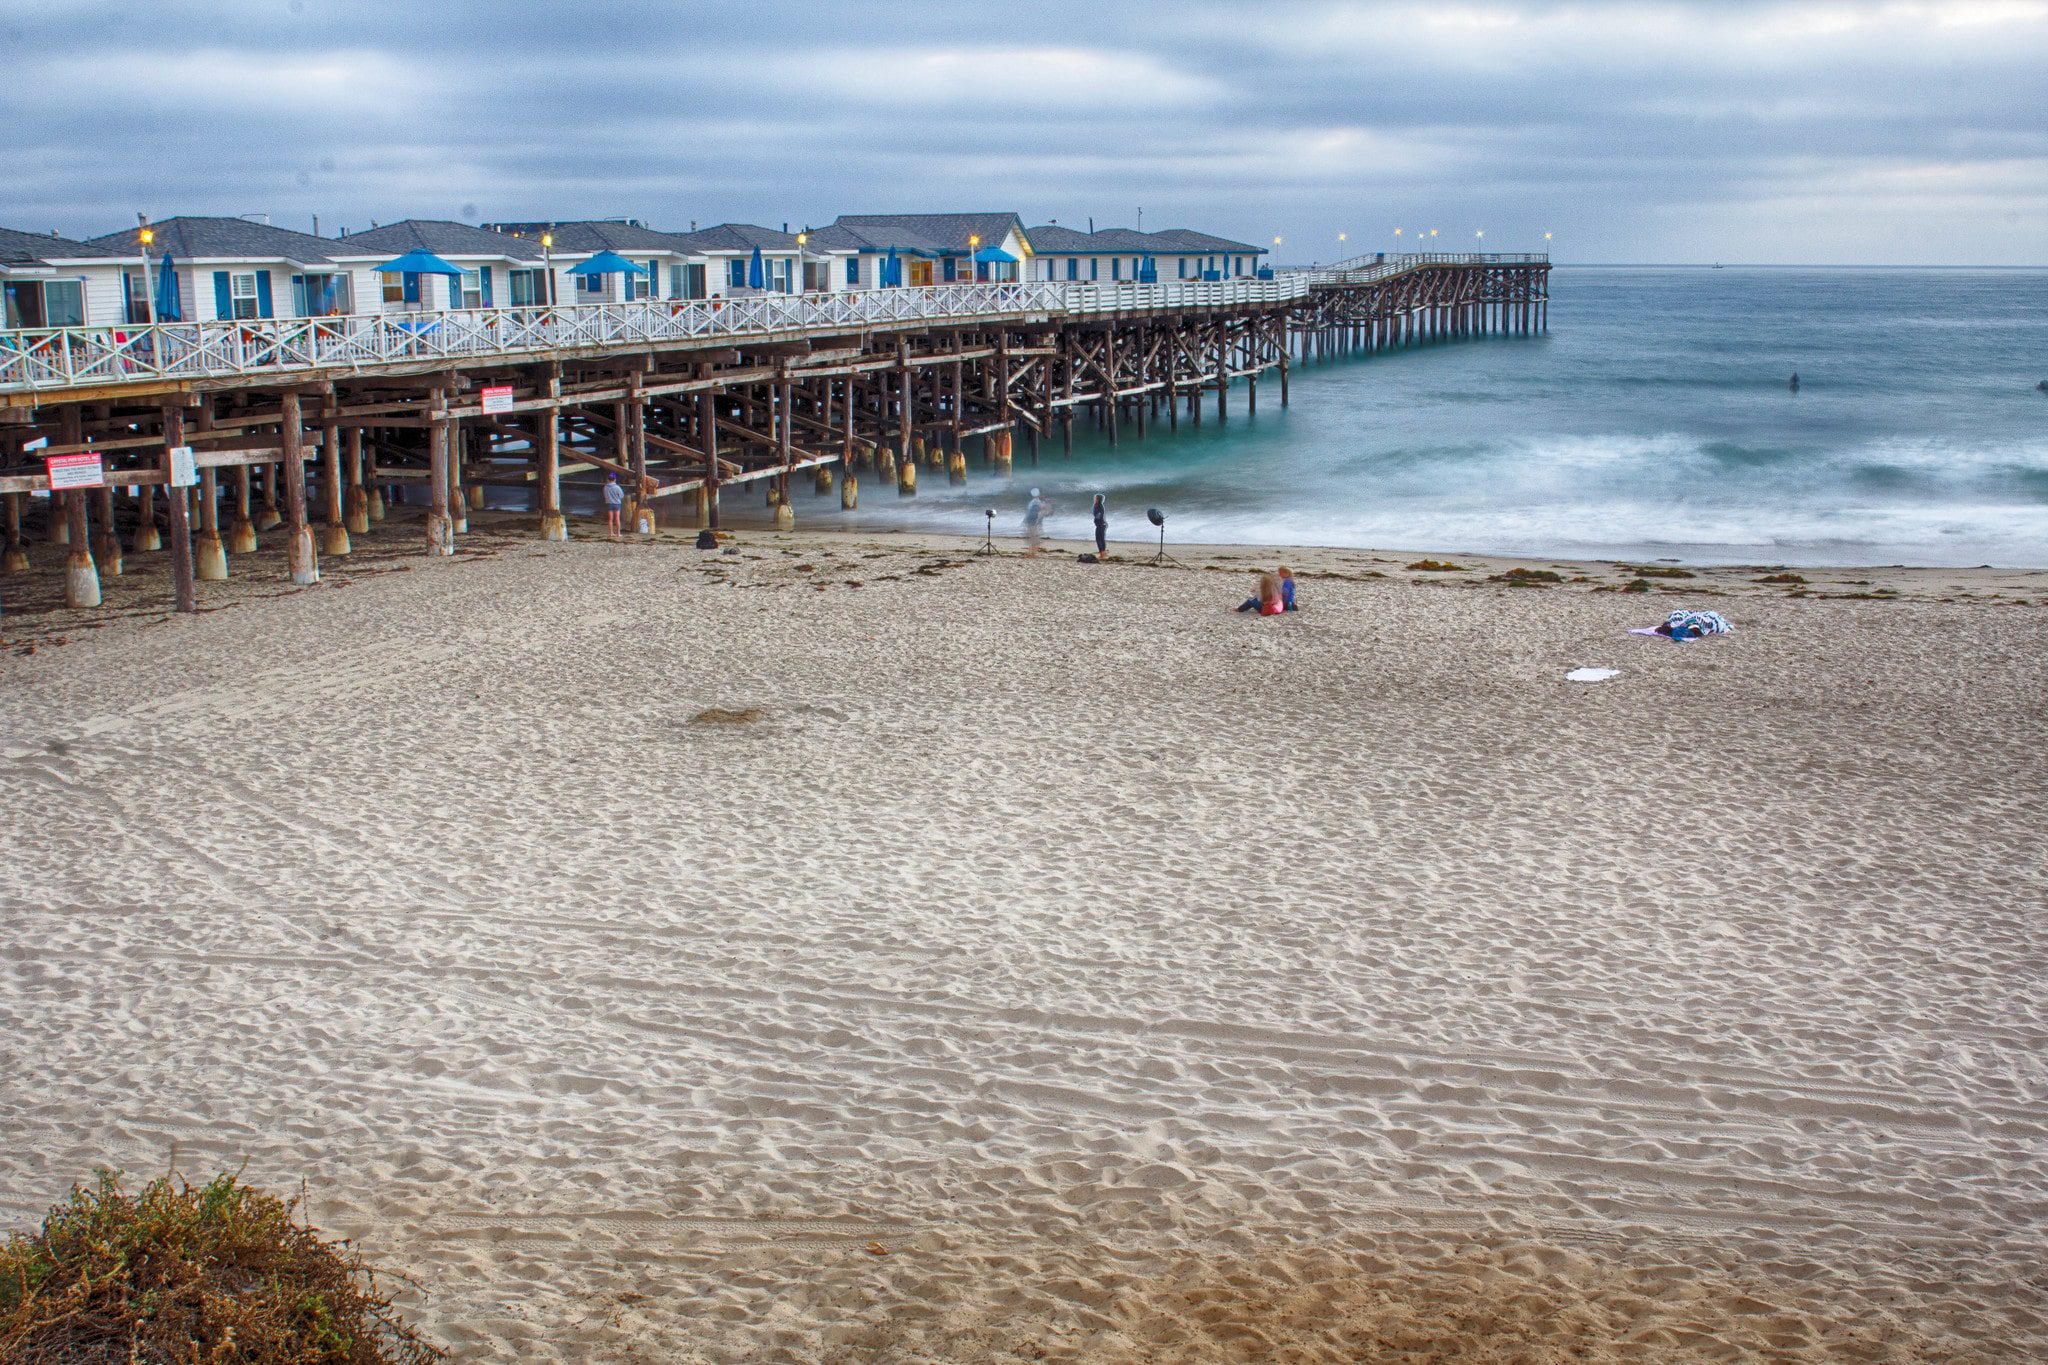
(485, 272)
(736, 275)
(852, 270)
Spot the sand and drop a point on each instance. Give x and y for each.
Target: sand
(849, 950)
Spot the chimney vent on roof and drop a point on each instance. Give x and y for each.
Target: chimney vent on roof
(785, 227)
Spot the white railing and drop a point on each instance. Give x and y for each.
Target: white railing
(1366, 269)
(90, 357)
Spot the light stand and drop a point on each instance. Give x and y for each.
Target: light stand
(988, 543)
(1158, 518)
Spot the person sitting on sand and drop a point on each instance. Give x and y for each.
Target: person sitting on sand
(1268, 601)
(1287, 588)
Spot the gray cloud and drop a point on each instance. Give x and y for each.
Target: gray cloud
(1784, 130)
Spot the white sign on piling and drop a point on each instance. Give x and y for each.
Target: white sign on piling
(497, 398)
(184, 469)
(37, 444)
(83, 470)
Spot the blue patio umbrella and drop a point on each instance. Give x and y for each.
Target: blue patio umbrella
(419, 263)
(607, 263)
(757, 273)
(167, 304)
(994, 253)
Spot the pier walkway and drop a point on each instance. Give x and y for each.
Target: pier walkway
(198, 437)
(47, 361)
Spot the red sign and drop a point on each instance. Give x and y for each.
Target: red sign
(498, 398)
(83, 470)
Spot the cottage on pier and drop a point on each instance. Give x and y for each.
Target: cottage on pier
(928, 248)
(52, 281)
(727, 250)
(1126, 256)
(664, 262)
(232, 269)
(497, 271)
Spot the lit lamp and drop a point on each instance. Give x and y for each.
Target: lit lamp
(802, 238)
(973, 246)
(145, 237)
(547, 264)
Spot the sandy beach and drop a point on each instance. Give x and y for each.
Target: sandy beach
(853, 949)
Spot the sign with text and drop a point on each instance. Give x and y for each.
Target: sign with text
(184, 469)
(498, 398)
(83, 470)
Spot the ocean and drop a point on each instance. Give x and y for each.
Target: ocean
(1654, 421)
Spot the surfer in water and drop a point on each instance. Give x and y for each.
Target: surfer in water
(1795, 381)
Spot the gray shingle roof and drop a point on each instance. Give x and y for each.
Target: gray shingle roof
(596, 236)
(927, 232)
(235, 239)
(437, 235)
(736, 237)
(40, 248)
(1126, 241)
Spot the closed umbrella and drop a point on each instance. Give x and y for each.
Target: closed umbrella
(168, 308)
(892, 269)
(1148, 273)
(757, 271)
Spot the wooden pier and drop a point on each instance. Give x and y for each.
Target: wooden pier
(310, 428)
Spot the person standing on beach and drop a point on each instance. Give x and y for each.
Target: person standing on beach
(1034, 521)
(614, 500)
(1101, 526)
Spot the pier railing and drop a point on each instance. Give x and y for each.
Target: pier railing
(93, 357)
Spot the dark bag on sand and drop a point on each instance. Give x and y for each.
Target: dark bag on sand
(707, 539)
(1086, 559)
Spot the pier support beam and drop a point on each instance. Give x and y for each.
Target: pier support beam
(14, 558)
(299, 555)
(355, 514)
(184, 595)
(553, 525)
(440, 432)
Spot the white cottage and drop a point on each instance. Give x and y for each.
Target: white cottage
(52, 281)
(1124, 256)
(726, 251)
(231, 268)
(930, 248)
(497, 271)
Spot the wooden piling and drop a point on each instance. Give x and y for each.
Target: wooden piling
(184, 595)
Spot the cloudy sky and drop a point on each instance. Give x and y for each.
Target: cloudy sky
(1876, 132)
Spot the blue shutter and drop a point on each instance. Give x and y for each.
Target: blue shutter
(652, 267)
(485, 273)
(299, 309)
(411, 288)
(223, 303)
(263, 294)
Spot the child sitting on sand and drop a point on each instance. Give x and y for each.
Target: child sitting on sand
(1286, 588)
(1268, 602)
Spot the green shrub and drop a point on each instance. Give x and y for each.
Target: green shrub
(217, 1275)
